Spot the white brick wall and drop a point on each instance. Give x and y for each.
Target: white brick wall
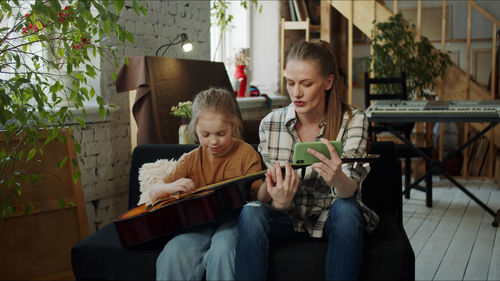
(105, 157)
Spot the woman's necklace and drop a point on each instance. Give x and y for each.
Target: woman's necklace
(307, 133)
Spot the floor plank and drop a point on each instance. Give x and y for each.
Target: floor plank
(455, 260)
(431, 221)
(417, 217)
(429, 259)
(494, 269)
(454, 240)
(479, 262)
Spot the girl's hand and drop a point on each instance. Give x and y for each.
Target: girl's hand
(329, 169)
(281, 189)
(162, 189)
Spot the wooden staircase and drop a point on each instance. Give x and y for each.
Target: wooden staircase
(363, 12)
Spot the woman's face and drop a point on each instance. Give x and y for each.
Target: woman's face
(214, 133)
(306, 86)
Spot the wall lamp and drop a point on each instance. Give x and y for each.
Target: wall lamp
(187, 46)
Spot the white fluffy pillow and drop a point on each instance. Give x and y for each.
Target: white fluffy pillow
(151, 173)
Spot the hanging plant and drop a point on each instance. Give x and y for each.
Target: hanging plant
(395, 49)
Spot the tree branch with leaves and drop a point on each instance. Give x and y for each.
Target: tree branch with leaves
(44, 44)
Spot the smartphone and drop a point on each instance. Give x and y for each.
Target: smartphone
(302, 157)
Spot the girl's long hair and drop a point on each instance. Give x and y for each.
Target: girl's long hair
(217, 100)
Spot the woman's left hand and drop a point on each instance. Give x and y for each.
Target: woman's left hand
(329, 169)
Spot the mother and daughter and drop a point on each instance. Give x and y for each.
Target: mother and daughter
(324, 204)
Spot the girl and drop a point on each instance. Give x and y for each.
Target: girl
(217, 126)
(326, 203)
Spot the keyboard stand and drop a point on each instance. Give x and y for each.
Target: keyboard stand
(437, 167)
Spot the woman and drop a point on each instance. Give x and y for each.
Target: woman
(326, 203)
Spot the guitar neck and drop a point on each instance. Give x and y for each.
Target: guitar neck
(261, 174)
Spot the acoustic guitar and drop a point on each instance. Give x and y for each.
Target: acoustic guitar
(206, 204)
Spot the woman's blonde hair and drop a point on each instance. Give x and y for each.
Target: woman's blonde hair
(322, 54)
(217, 100)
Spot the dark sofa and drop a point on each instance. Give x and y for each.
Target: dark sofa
(387, 253)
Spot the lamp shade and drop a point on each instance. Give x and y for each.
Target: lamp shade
(187, 46)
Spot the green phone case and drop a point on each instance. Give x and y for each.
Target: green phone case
(302, 157)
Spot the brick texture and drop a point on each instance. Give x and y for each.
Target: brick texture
(106, 151)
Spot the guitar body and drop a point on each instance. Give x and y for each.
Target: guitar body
(141, 224)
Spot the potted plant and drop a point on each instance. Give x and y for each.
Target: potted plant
(184, 111)
(46, 51)
(395, 49)
(45, 65)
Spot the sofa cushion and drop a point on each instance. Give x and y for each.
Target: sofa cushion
(150, 174)
(101, 256)
(387, 255)
(147, 153)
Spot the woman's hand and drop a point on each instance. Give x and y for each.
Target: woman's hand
(281, 189)
(162, 189)
(331, 170)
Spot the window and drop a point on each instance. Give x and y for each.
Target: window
(225, 45)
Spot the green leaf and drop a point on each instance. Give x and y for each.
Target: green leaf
(62, 162)
(61, 202)
(39, 25)
(136, 7)
(107, 26)
(31, 154)
(78, 148)
(35, 178)
(90, 71)
(76, 176)
(118, 5)
(28, 209)
(81, 122)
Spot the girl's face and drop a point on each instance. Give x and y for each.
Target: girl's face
(214, 133)
(306, 86)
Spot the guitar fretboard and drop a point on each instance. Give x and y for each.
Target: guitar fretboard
(260, 174)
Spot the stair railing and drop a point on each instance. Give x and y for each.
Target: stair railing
(380, 13)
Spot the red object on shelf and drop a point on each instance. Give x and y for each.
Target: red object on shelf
(242, 76)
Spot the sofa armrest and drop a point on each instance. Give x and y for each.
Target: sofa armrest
(381, 190)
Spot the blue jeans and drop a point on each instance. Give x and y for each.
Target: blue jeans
(209, 248)
(259, 223)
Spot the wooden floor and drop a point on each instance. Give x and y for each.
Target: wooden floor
(454, 240)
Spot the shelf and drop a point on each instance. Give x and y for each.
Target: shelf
(295, 25)
(301, 25)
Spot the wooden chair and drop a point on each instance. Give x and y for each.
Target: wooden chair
(394, 88)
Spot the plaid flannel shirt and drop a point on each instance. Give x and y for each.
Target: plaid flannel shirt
(314, 196)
